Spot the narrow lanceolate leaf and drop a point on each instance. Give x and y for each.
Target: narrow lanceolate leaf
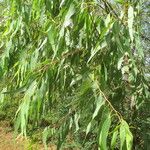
(125, 135)
(119, 1)
(99, 46)
(122, 135)
(129, 136)
(120, 63)
(130, 21)
(76, 120)
(2, 95)
(68, 16)
(88, 128)
(67, 21)
(45, 136)
(129, 140)
(104, 133)
(114, 139)
(23, 110)
(99, 103)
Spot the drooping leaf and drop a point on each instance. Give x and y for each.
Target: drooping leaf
(114, 139)
(88, 128)
(130, 21)
(45, 135)
(122, 135)
(104, 133)
(2, 96)
(99, 103)
(129, 136)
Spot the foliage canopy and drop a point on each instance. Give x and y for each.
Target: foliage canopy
(76, 65)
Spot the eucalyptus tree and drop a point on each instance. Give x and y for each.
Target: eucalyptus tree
(78, 69)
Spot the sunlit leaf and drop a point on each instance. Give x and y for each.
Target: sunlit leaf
(88, 128)
(122, 135)
(129, 136)
(119, 1)
(104, 133)
(99, 103)
(2, 96)
(130, 21)
(114, 139)
(76, 120)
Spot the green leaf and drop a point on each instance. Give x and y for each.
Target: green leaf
(125, 134)
(2, 96)
(23, 109)
(114, 139)
(130, 21)
(119, 1)
(125, 69)
(120, 63)
(129, 137)
(62, 135)
(104, 133)
(67, 21)
(88, 128)
(107, 20)
(70, 12)
(99, 103)
(21, 89)
(129, 140)
(76, 120)
(45, 136)
(122, 134)
(98, 47)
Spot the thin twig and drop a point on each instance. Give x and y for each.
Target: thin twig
(113, 109)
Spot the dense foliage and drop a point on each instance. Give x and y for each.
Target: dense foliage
(77, 70)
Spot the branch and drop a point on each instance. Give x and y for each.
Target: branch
(111, 106)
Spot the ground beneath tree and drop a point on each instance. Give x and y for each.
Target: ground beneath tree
(8, 141)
